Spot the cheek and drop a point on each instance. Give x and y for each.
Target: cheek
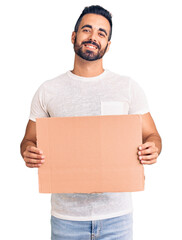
(79, 41)
(81, 38)
(103, 44)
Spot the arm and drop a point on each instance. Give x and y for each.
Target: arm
(152, 143)
(32, 156)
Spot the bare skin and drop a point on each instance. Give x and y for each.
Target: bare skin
(152, 144)
(91, 68)
(149, 151)
(32, 155)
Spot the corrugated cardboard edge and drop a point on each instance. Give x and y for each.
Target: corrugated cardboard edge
(46, 131)
(140, 116)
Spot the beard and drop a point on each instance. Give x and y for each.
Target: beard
(89, 55)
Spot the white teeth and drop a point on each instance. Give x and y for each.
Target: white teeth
(90, 46)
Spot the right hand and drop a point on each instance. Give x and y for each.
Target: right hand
(33, 157)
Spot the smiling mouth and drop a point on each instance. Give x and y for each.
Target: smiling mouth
(90, 46)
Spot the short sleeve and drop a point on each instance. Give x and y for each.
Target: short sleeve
(38, 105)
(138, 100)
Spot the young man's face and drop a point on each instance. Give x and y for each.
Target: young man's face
(91, 40)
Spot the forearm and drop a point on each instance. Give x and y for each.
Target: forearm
(24, 144)
(156, 139)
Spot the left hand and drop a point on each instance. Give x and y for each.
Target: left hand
(148, 153)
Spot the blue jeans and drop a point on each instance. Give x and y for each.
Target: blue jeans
(117, 228)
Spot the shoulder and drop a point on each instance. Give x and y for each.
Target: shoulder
(122, 76)
(119, 77)
(53, 82)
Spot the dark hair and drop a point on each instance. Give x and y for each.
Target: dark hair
(96, 9)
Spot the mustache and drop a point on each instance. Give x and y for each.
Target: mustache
(93, 43)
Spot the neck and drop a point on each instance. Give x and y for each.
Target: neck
(85, 68)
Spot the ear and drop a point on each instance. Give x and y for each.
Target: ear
(109, 43)
(73, 37)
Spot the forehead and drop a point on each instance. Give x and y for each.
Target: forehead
(96, 21)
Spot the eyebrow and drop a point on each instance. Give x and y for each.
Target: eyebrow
(89, 26)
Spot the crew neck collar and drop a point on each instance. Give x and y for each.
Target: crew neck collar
(86, 79)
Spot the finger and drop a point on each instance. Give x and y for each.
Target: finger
(148, 157)
(33, 155)
(149, 162)
(147, 151)
(146, 145)
(35, 161)
(34, 149)
(31, 165)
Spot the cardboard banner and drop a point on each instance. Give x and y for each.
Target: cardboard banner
(90, 154)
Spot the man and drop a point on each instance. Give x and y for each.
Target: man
(89, 89)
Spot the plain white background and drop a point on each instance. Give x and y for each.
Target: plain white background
(36, 46)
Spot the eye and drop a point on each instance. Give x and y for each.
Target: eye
(101, 34)
(85, 30)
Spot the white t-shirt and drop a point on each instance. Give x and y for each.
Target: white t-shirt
(73, 95)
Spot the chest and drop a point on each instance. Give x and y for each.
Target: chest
(84, 100)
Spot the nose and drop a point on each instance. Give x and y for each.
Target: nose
(92, 36)
(92, 39)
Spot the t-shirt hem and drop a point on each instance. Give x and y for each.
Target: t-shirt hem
(91, 218)
(32, 118)
(144, 111)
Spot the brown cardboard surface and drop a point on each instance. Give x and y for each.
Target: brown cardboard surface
(89, 154)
